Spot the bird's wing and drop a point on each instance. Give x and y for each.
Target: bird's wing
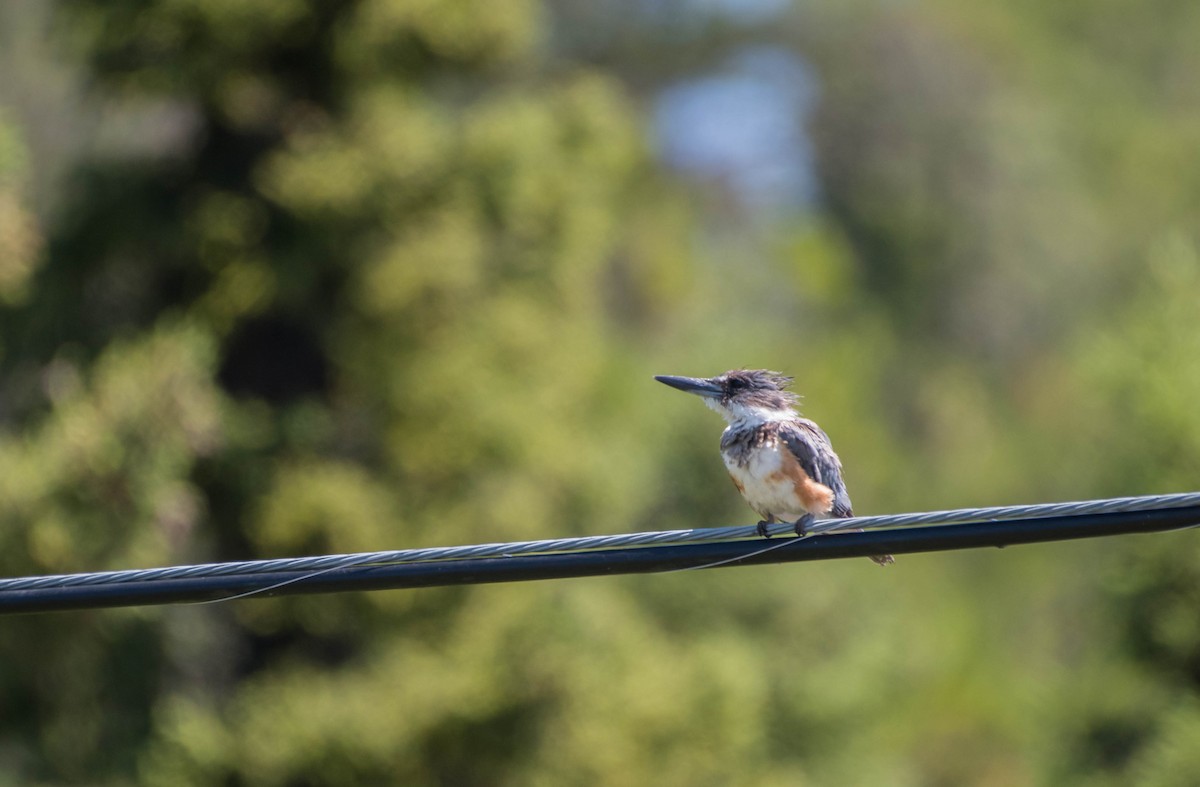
(811, 447)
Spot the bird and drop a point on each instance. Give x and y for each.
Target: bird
(783, 464)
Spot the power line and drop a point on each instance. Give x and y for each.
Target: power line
(658, 537)
(602, 555)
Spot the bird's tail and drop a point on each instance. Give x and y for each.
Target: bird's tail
(883, 560)
(843, 509)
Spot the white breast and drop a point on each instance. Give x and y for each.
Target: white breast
(765, 486)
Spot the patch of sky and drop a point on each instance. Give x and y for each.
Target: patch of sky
(747, 11)
(744, 125)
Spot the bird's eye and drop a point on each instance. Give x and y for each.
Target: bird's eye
(735, 384)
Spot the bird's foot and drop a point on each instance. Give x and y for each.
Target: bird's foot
(762, 527)
(803, 523)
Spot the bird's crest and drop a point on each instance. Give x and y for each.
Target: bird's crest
(761, 387)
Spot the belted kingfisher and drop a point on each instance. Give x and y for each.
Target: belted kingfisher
(783, 464)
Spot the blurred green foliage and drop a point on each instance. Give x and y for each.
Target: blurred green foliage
(20, 238)
(402, 280)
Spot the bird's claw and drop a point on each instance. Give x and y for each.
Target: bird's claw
(762, 528)
(803, 523)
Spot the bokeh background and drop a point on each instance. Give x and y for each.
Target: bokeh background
(286, 278)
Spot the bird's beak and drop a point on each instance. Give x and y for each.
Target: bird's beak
(696, 385)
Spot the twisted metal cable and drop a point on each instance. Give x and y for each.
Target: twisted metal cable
(326, 563)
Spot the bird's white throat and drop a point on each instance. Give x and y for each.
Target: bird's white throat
(740, 416)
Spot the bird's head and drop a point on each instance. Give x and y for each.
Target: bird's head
(741, 395)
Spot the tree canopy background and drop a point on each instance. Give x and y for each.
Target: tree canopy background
(287, 278)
